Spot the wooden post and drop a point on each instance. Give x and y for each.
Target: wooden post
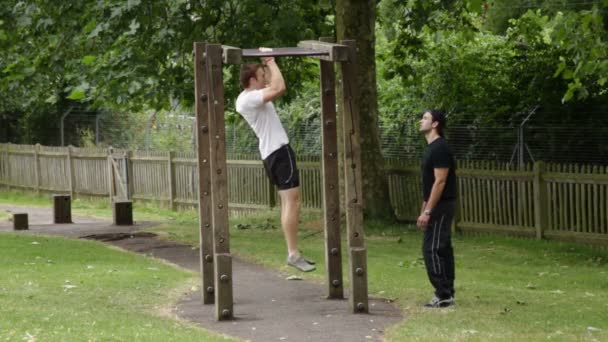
(540, 200)
(7, 162)
(272, 195)
(62, 209)
(204, 174)
(20, 221)
(70, 169)
(331, 185)
(129, 174)
(37, 167)
(171, 175)
(111, 188)
(219, 189)
(122, 213)
(353, 188)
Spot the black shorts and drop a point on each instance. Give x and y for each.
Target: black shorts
(281, 168)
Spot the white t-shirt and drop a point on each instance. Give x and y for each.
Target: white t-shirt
(263, 119)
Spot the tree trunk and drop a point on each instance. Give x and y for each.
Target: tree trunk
(355, 19)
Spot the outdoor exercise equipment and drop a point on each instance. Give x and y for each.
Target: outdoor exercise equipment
(62, 209)
(122, 212)
(216, 261)
(20, 221)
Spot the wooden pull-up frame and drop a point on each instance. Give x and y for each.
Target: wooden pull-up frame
(216, 261)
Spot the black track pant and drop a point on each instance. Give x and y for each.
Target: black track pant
(437, 249)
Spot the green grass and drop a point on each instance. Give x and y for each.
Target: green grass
(54, 289)
(507, 289)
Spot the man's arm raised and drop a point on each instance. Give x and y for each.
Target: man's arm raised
(276, 87)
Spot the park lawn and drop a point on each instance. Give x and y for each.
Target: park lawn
(508, 289)
(55, 289)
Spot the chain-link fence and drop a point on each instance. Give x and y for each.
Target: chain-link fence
(174, 131)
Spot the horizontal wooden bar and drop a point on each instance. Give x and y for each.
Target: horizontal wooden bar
(91, 193)
(151, 198)
(247, 206)
(464, 173)
(581, 178)
(284, 52)
(149, 159)
(493, 228)
(244, 162)
(82, 157)
(184, 161)
(22, 152)
(573, 236)
(185, 201)
(335, 52)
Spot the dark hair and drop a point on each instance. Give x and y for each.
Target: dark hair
(439, 117)
(248, 71)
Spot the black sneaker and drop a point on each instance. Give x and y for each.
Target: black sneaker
(440, 303)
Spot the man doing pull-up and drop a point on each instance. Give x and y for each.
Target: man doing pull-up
(261, 85)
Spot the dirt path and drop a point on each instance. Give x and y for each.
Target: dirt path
(267, 306)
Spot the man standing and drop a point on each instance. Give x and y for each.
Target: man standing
(438, 208)
(261, 85)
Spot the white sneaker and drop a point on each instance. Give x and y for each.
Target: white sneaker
(300, 263)
(440, 303)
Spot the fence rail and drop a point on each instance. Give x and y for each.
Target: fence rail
(555, 201)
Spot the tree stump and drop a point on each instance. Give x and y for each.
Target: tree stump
(62, 209)
(20, 221)
(122, 213)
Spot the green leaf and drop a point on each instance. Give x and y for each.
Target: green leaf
(133, 3)
(51, 99)
(88, 60)
(560, 68)
(90, 26)
(98, 29)
(133, 26)
(475, 5)
(116, 12)
(77, 94)
(134, 86)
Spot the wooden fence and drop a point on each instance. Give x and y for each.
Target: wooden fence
(555, 201)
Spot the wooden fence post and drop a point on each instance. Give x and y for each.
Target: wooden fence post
(540, 200)
(110, 176)
(70, 171)
(272, 197)
(37, 167)
(129, 166)
(457, 216)
(7, 162)
(171, 174)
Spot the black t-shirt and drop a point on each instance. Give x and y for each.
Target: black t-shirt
(437, 155)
